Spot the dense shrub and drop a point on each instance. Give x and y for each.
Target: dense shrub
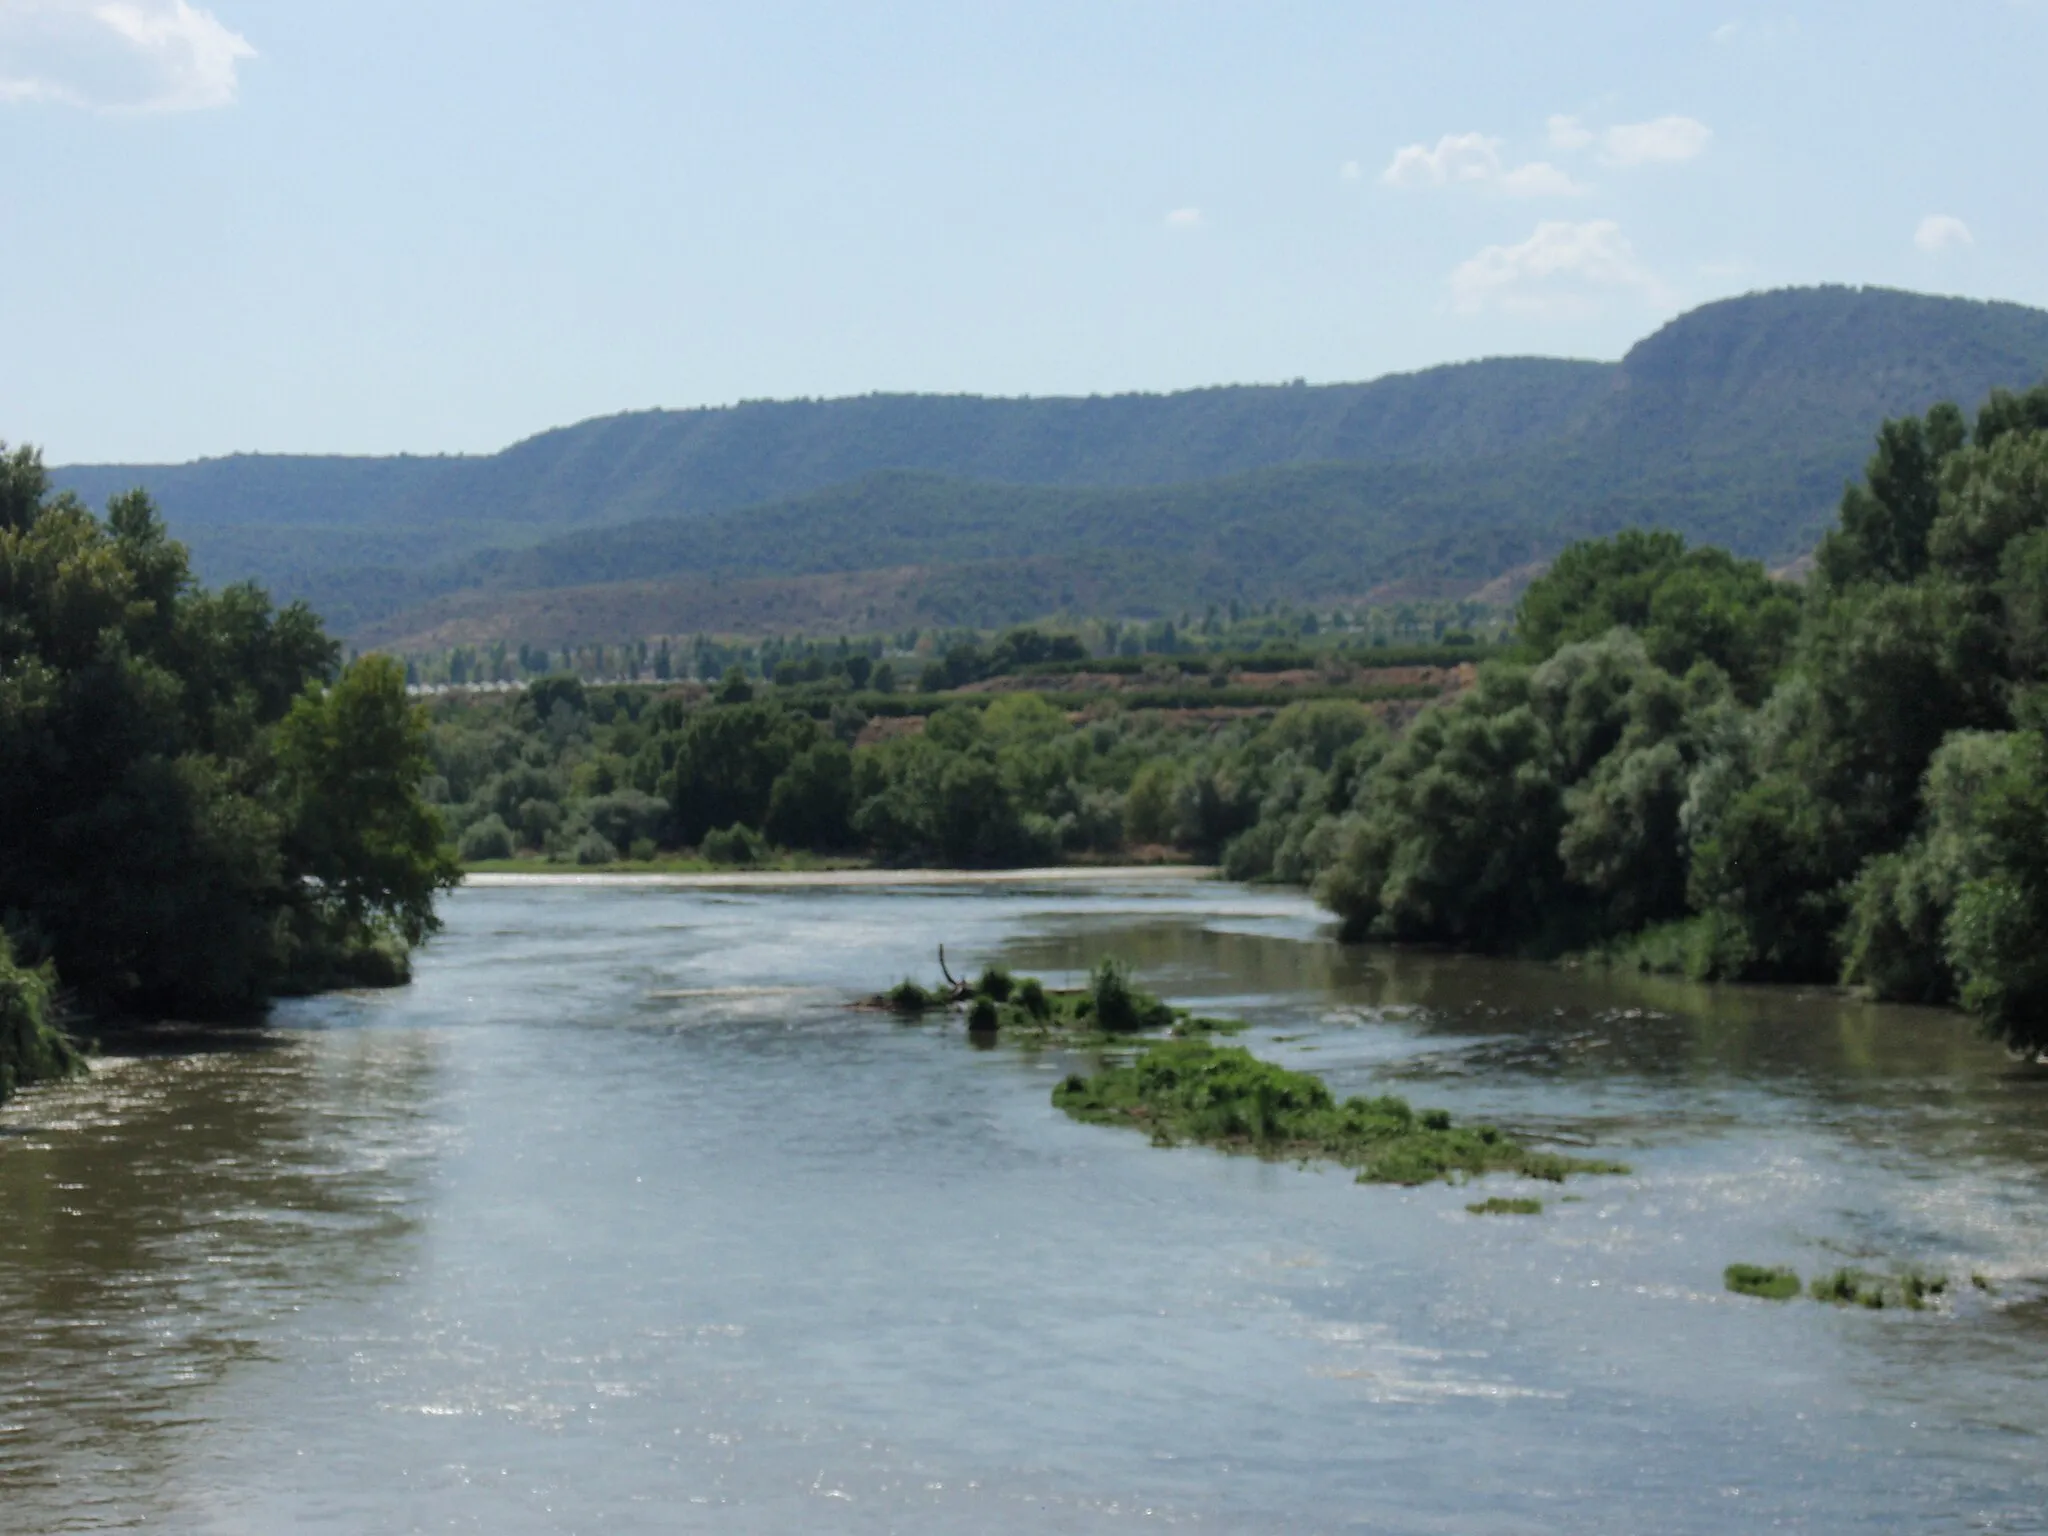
(32, 1048)
(486, 839)
(736, 844)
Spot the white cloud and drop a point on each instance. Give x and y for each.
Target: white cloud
(1474, 160)
(118, 55)
(1560, 268)
(1666, 141)
(1569, 133)
(1942, 232)
(1184, 218)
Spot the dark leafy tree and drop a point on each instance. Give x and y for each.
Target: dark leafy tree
(727, 762)
(199, 813)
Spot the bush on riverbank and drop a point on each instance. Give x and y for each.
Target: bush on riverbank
(1697, 768)
(32, 1048)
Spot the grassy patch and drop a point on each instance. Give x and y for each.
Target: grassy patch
(1907, 1290)
(910, 999)
(1182, 1091)
(1688, 947)
(1503, 1205)
(1772, 1284)
(1910, 1290)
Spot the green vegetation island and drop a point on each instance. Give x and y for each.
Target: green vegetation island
(1185, 1089)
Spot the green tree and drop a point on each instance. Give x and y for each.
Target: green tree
(1882, 532)
(727, 762)
(1962, 911)
(1458, 840)
(163, 837)
(366, 848)
(1688, 605)
(811, 802)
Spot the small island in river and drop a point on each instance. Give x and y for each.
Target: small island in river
(1184, 1088)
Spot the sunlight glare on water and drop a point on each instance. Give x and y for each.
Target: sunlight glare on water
(620, 1219)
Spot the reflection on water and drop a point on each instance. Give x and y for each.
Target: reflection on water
(621, 1219)
(160, 1219)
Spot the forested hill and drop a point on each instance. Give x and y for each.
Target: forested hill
(1738, 422)
(690, 463)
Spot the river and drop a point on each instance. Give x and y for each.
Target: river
(621, 1220)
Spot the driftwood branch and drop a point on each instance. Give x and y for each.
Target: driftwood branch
(960, 988)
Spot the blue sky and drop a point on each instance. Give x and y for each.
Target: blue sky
(441, 225)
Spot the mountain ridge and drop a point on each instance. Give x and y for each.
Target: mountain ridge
(1737, 422)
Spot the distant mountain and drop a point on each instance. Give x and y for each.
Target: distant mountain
(1737, 423)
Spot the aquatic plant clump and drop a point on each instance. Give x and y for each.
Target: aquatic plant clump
(908, 997)
(1909, 1290)
(1023, 1008)
(1120, 1008)
(1766, 1282)
(1856, 1288)
(1506, 1205)
(1183, 1091)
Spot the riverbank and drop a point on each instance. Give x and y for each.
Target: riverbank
(851, 879)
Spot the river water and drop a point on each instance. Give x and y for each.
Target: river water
(619, 1219)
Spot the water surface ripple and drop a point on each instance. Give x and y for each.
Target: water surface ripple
(619, 1220)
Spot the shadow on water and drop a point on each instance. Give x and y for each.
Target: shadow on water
(1498, 1015)
(163, 1212)
(1874, 1070)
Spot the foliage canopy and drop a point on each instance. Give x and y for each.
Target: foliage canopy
(202, 808)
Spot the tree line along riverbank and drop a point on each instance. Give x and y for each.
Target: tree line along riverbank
(1682, 764)
(203, 808)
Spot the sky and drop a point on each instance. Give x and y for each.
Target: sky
(367, 226)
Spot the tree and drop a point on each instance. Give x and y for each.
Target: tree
(352, 757)
(1963, 910)
(1688, 605)
(1882, 532)
(811, 803)
(727, 762)
(734, 689)
(1458, 840)
(173, 850)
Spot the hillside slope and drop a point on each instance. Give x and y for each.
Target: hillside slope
(1737, 422)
